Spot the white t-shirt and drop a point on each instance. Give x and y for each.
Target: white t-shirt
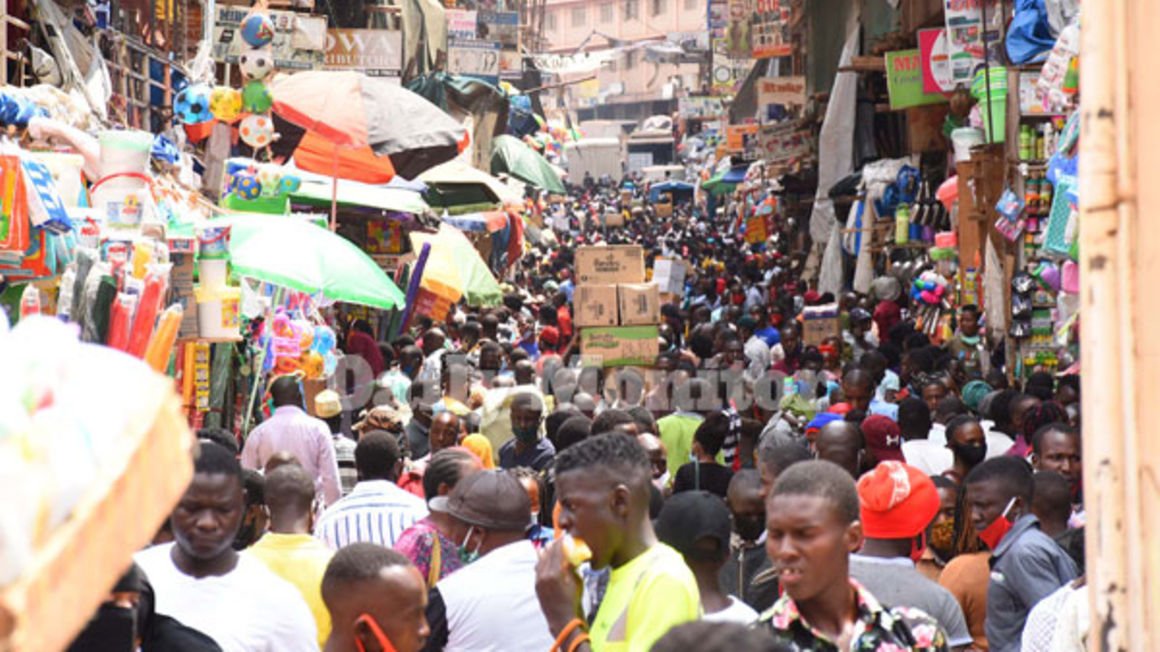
(249, 609)
(736, 612)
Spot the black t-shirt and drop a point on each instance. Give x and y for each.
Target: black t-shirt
(713, 478)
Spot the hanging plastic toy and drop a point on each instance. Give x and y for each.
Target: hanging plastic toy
(257, 131)
(256, 97)
(191, 106)
(256, 64)
(257, 30)
(225, 103)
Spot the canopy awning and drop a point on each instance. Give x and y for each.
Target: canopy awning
(353, 193)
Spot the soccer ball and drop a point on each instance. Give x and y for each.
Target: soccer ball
(247, 186)
(257, 131)
(256, 98)
(270, 176)
(256, 64)
(257, 30)
(225, 103)
(191, 106)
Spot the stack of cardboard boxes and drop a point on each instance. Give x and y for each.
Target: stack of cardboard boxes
(616, 311)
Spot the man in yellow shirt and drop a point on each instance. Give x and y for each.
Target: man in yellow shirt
(602, 485)
(288, 549)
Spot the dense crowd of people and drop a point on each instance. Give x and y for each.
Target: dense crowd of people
(481, 489)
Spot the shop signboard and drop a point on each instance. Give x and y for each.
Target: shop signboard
(737, 136)
(787, 142)
(728, 72)
(374, 52)
(700, 107)
(787, 91)
(936, 64)
(904, 81)
(500, 26)
(478, 59)
(299, 39)
(756, 229)
(461, 24)
(967, 32)
(770, 29)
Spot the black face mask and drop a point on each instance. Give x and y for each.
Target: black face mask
(970, 455)
(749, 528)
(112, 629)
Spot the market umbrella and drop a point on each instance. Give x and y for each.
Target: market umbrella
(356, 112)
(455, 269)
(509, 154)
(456, 183)
(300, 255)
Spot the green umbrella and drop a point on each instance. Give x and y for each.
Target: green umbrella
(300, 255)
(511, 155)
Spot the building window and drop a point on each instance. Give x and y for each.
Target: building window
(658, 7)
(690, 5)
(607, 12)
(550, 21)
(631, 9)
(578, 16)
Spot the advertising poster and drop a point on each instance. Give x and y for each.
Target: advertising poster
(461, 24)
(700, 107)
(786, 143)
(738, 35)
(936, 65)
(769, 29)
(475, 59)
(374, 52)
(904, 81)
(738, 137)
(299, 39)
(966, 34)
(787, 91)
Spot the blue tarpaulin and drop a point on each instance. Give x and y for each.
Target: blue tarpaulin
(674, 187)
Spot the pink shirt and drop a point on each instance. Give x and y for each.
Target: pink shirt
(306, 438)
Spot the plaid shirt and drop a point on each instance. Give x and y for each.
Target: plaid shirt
(877, 629)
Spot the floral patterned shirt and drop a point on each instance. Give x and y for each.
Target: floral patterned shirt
(878, 629)
(417, 543)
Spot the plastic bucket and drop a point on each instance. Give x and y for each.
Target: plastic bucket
(212, 273)
(994, 114)
(963, 139)
(218, 314)
(122, 207)
(213, 242)
(125, 150)
(67, 170)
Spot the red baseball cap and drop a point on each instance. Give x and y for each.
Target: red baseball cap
(883, 438)
(898, 501)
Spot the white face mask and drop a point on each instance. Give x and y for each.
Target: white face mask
(662, 481)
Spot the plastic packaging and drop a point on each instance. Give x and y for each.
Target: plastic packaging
(121, 320)
(161, 343)
(29, 301)
(64, 299)
(156, 283)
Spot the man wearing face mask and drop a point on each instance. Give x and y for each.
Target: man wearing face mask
(746, 573)
(489, 605)
(1026, 565)
(897, 503)
(968, 444)
(526, 447)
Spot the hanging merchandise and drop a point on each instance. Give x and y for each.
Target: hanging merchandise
(256, 97)
(225, 103)
(1058, 82)
(257, 131)
(191, 106)
(257, 64)
(1010, 209)
(257, 30)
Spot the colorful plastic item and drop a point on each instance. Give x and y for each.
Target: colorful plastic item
(257, 30)
(156, 283)
(161, 343)
(121, 320)
(257, 64)
(256, 97)
(257, 131)
(191, 106)
(225, 103)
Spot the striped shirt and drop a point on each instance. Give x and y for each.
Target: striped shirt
(376, 511)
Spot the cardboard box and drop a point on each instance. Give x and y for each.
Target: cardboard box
(614, 218)
(820, 322)
(663, 209)
(594, 305)
(609, 265)
(619, 346)
(640, 304)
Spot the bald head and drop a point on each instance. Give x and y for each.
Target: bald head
(841, 442)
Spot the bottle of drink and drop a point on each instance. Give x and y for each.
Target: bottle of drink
(902, 224)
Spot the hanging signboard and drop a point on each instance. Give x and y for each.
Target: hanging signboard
(770, 29)
(500, 26)
(474, 59)
(756, 229)
(700, 107)
(936, 64)
(728, 73)
(299, 40)
(581, 62)
(904, 81)
(736, 137)
(461, 24)
(788, 91)
(374, 52)
(738, 34)
(786, 143)
(966, 34)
